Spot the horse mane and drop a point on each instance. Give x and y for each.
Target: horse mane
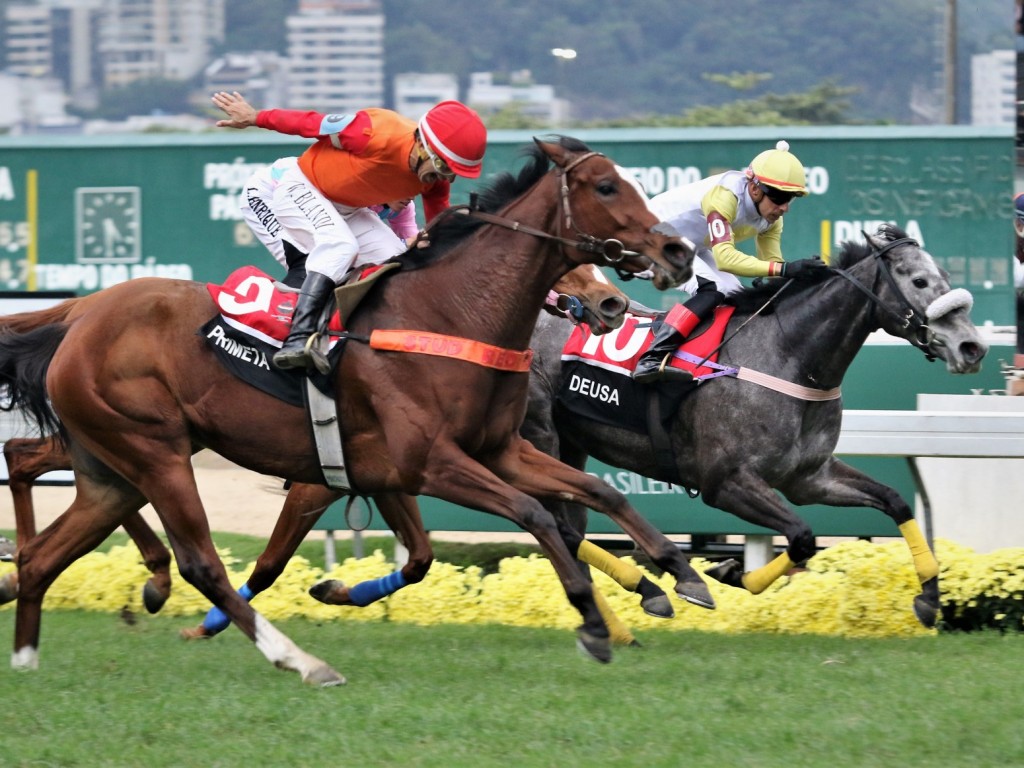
(452, 228)
(850, 252)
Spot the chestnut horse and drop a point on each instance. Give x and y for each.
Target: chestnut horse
(138, 392)
(584, 295)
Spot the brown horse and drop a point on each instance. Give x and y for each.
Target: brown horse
(584, 295)
(138, 392)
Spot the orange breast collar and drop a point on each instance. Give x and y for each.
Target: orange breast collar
(454, 347)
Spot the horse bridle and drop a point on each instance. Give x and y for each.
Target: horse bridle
(611, 250)
(922, 335)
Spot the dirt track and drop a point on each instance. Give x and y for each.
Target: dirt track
(236, 500)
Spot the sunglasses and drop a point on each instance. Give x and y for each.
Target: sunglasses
(439, 165)
(777, 196)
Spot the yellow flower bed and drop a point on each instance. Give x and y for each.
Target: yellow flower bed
(854, 589)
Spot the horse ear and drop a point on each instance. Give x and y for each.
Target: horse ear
(875, 242)
(553, 148)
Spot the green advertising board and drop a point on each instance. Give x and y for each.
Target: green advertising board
(106, 209)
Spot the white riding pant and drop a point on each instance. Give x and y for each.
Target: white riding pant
(258, 206)
(336, 237)
(704, 265)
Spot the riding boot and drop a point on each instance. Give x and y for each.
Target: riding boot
(298, 350)
(680, 321)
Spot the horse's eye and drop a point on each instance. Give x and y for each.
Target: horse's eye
(606, 188)
(920, 282)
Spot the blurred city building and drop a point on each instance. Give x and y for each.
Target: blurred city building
(416, 92)
(994, 88)
(335, 55)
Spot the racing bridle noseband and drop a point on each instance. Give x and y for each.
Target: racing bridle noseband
(922, 335)
(611, 250)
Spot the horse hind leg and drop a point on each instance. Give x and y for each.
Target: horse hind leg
(27, 458)
(156, 556)
(302, 508)
(95, 512)
(30, 458)
(170, 486)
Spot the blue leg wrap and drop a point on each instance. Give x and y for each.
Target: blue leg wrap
(367, 592)
(216, 620)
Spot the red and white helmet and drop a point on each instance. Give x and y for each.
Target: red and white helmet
(457, 135)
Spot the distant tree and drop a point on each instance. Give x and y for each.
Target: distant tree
(824, 104)
(511, 117)
(257, 26)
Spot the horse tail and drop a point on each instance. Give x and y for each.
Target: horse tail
(21, 322)
(28, 342)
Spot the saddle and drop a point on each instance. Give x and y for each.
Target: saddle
(597, 381)
(253, 322)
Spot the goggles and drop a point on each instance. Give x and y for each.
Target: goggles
(777, 196)
(440, 165)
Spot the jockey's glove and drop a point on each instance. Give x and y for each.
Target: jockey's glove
(806, 269)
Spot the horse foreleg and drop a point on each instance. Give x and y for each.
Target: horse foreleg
(542, 477)
(303, 506)
(402, 515)
(746, 495)
(456, 478)
(653, 599)
(840, 485)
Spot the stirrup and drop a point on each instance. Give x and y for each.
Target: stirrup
(663, 372)
(308, 357)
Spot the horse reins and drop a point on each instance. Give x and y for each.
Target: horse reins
(613, 251)
(923, 337)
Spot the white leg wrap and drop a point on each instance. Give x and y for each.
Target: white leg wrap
(25, 658)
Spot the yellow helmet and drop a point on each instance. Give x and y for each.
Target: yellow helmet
(779, 168)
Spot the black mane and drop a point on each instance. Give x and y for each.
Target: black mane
(850, 253)
(498, 193)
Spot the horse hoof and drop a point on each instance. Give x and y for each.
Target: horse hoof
(926, 605)
(8, 588)
(660, 607)
(695, 592)
(324, 677)
(331, 592)
(153, 598)
(728, 572)
(594, 647)
(195, 633)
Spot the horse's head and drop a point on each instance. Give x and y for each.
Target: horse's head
(585, 295)
(605, 211)
(917, 303)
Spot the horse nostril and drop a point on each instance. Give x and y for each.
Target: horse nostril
(677, 253)
(972, 352)
(613, 306)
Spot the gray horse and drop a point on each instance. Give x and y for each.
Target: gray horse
(738, 441)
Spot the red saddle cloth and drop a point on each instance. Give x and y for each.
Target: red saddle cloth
(619, 350)
(250, 300)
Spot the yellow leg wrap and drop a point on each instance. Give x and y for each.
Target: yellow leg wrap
(925, 564)
(622, 573)
(758, 581)
(620, 634)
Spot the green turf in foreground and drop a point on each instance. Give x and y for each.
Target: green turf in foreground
(109, 694)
